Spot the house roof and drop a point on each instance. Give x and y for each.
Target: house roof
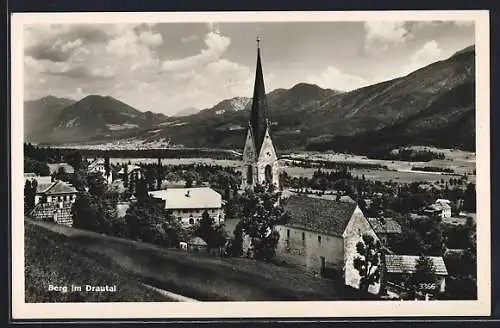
(384, 225)
(187, 198)
(130, 168)
(197, 241)
(318, 214)
(55, 167)
(56, 187)
(407, 264)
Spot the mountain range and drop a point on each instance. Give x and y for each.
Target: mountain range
(434, 105)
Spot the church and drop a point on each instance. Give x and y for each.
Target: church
(260, 161)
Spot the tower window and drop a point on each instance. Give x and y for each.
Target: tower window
(249, 174)
(319, 239)
(269, 173)
(303, 236)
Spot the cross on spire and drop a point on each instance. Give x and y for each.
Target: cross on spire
(258, 41)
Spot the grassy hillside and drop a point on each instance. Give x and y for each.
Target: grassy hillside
(53, 259)
(193, 275)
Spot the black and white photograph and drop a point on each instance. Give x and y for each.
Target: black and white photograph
(196, 165)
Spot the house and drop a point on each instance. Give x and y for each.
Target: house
(321, 236)
(385, 228)
(441, 208)
(98, 166)
(53, 202)
(196, 244)
(188, 204)
(398, 268)
(55, 192)
(57, 167)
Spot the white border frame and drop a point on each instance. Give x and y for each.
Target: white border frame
(481, 307)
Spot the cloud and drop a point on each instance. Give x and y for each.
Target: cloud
(216, 45)
(150, 39)
(189, 38)
(429, 53)
(333, 78)
(379, 35)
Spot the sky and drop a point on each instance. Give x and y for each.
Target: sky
(167, 67)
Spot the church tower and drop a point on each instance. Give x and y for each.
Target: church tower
(260, 162)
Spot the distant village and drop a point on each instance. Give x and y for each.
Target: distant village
(395, 241)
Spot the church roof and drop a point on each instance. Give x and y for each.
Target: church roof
(258, 114)
(318, 214)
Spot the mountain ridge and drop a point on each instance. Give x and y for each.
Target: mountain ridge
(409, 109)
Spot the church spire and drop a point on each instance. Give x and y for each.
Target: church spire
(258, 115)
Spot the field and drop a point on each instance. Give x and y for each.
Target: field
(460, 162)
(195, 275)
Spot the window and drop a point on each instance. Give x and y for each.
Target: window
(319, 239)
(249, 174)
(288, 233)
(303, 236)
(191, 221)
(268, 172)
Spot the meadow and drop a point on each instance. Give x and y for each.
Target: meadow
(460, 162)
(196, 275)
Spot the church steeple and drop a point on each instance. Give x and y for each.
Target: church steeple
(258, 115)
(260, 161)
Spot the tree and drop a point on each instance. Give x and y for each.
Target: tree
(29, 195)
(208, 231)
(107, 167)
(125, 176)
(189, 181)
(159, 174)
(95, 213)
(141, 190)
(367, 264)
(148, 221)
(97, 184)
(260, 214)
(74, 159)
(470, 198)
(423, 279)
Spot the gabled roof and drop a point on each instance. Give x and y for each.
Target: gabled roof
(385, 225)
(56, 187)
(197, 241)
(259, 112)
(407, 264)
(130, 168)
(319, 215)
(189, 198)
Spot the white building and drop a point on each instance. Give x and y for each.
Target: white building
(98, 166)
(321, 236)
(188, 204)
